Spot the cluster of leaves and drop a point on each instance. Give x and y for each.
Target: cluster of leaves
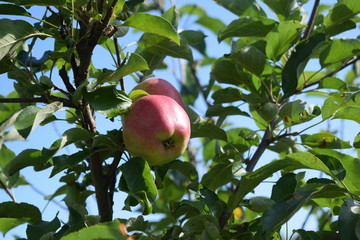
(263, 77)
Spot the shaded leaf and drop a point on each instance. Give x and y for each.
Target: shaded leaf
(39, 2)
(162, 46)
(242, 8)
(36, 231)
(13, 214)
(207, 130)
(294, 113)
(140, 182)
(284, 187)
(297, 62)
(10, 9)
(247, 27)
(218, 176)
(250, 58)
(26, 158)
(108, 100)
(349, 219)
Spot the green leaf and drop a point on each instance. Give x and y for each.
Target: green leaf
(294, 113)
(185, 168)
(26, 158)
(205, 225)
(162, 46)
(297, 62)
(36, 231)
(284, 188)
(247, 27)
(63, 162)
(219, 110)
(250, 58)
(218, 176)
(133, 64)
(284, 9)
(356, 143)
(153, 24)
(108, 100)
(333, 83)
(242, 7)
(341, 12)
(349, 219)
(292, 162)
(10, 9)
(259, 204)
(13, 214)
(227, 95)
(136, 172)
(349, 163)
(103, 231)
(282, 38)
(324, 140)
(32, 116)
(196, 39)
(207, 130)
(339, 50)
(8, 109)
(13, 33)
(279, 213)
(343, 106)
(225, 70)
(38, 2)
(308, 235)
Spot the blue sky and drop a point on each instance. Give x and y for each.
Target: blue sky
(44, 136)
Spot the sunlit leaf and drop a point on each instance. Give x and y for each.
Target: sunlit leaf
(285, 9)
(133, 64)
(106, 231)
(339, 50)
(282, 38)
(13, 33)
(250, 58)
(32, 116)
(162, 46)
(153, 24)
(324, 140)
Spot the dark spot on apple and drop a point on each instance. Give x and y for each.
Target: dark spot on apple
(169, 143)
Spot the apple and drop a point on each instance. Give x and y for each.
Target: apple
(157, 129)
(158, 86)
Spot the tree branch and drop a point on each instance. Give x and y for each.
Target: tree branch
(66, 102)
(311, 22)
(329, 74)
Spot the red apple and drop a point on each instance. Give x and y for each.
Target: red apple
(157, 129)
(158, 86)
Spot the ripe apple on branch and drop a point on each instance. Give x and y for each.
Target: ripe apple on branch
(157, 127)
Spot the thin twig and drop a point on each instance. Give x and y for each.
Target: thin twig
(118, 59)
(7, 190)
(66, 102)
(311, 22)
(328, 75)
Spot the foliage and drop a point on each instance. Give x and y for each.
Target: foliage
(263, 78)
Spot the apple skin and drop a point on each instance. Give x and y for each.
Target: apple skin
(157, 129)
(159, 86)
